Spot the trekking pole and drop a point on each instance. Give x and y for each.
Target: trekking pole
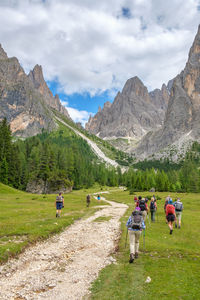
(148, 219)
(126, 237)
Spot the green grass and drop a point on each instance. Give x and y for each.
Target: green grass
(172, 261)
(26, 218)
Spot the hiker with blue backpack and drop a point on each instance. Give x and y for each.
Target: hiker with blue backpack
(178, 209)
(135, 225)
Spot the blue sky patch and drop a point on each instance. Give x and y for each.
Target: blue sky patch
(82, 101)
(126, 12)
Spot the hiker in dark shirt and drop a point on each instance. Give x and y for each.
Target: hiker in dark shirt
(59, 204)
(88, 200)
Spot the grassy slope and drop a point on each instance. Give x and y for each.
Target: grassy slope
(26, 218)
(172, 262)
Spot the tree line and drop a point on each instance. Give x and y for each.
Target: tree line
(61, 158)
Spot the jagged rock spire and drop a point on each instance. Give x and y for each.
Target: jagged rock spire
(3, 54)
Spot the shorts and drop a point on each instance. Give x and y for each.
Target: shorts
(170, 218)
(178, 215)
(59, 205)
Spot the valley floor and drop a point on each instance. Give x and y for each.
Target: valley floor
(64, 266)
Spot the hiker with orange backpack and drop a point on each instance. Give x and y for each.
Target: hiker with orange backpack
(170, 215)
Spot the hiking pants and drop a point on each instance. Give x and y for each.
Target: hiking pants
(153, 212)
(134, 237)
(144, 215)
(178, 215)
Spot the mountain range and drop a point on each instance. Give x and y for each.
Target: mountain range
(161, 122)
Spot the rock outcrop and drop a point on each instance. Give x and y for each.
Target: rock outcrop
(37, 78)
(182, 120)
(133, 113)
(25, 104)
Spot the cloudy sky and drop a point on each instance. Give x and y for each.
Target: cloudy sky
(88, 49)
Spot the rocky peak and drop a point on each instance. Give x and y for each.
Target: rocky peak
(136, 86)
(191, 73)
(3, 54)
(107, 104)
(37, 78)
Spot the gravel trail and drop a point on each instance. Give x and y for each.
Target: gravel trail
(64, 266)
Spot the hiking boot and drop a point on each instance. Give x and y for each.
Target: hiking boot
(176, 225)
(56, 215)
(179, 226)
(131, 260)
(136, 254)
(171, 230)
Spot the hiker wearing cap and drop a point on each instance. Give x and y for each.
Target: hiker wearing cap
(135, 224)
(153, 208)
(178, 210)
(170, 214)
(59, 204)
(144, 208)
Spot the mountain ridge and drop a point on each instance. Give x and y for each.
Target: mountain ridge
(25, 100)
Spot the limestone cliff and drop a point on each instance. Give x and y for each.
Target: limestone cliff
(22, 102)
(182, 120)
(133, 113)
(37, 78)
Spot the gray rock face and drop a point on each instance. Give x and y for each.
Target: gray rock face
(133, 113)
(21, 101)
(36, 76)
(182, 120)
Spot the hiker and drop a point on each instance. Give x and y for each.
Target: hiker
(170, 214)
(144, 208)
(153, 208)
(88, 199)
(98, 197)
(166, 202)
(135, 199)
(59, 204)
(134, 225)
(178, 210)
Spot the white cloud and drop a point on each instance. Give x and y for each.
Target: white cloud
(89, 46)
(81, 116)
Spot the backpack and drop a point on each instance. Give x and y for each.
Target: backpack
(170, 209)
(179, 206)
(136, 220)
(142, 205)
(59, 199)
(152, 205)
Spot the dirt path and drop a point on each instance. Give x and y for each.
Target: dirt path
(64, 266)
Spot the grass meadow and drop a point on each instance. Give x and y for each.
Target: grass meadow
(26, 218)
(171, 261)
